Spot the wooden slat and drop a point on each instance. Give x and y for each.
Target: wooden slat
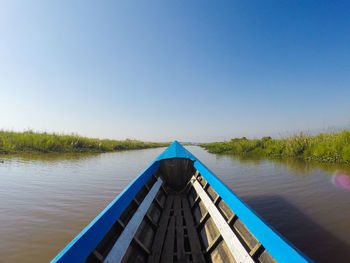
(188, 187)
(196, 174)
(232, 219)
(196, 201)
(202, 221)
(141, 245)
(164, 190)
(98, 256)
(120, 223)
(118, 251)
(195, 245)
(158, 203)
(234, 245)
(205, 185)
(255, 249)
(136, 201)
(160, 235)
(217, 200)
(168, 251)
(150, 220)
(180, 242)
(245, 234)
(155, 177)
(214, 244)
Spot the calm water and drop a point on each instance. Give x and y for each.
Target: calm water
(44, 203)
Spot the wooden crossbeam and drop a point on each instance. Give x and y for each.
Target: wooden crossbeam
(97, 255)
(147, 187)
(202, 221)
(217, 200)
(136, 202)
(164, 190)
(150, 220)
(232, 219)
(120, 223)
(255, 249)
(197, 174)
(117, 253)
(188, 187)
(205, 185)
(213, 244)
(196, 201)
(141, 245)
(158, 203)
(234, 245)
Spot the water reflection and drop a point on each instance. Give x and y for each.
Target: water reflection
(47, 157)
(286, 218)
(297, 166)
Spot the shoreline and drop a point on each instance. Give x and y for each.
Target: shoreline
(323, 148)
(42, 143)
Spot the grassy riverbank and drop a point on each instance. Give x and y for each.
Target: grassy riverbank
(27, 142)
(325, 147)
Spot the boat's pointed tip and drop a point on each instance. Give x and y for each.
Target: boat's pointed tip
(175, 150)
(175, 142)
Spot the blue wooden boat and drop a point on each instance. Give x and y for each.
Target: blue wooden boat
(177, 210)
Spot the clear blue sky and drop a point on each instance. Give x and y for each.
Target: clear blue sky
(165, 70)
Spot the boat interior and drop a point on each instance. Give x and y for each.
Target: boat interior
(178, 217)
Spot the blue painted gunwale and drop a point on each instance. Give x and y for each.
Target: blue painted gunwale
(84, 243)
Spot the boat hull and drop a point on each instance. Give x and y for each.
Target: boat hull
(177, 210)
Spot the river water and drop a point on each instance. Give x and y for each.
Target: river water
(46, 200)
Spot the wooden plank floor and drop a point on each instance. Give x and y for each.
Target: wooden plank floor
(176, 239)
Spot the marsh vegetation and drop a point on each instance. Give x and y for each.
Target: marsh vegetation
(333, 147)
(29, 141)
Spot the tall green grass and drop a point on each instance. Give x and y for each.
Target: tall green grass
(29, 141)
(331, 147)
